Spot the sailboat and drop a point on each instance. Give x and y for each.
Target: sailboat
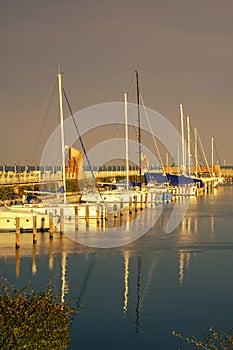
(122, 193)
(125, 193)
(209, 179)
(53, 201)
(183, 182)
(8, 220)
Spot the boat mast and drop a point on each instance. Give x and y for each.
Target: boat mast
(212, 155)
(182, 139)
(189, 152)
(139, 131)
(59, 76)
(126, 142)
(178, 160)
(195, 149)
(203, 152)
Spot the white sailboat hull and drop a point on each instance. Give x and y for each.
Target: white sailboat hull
(45, 209)
(8, 220)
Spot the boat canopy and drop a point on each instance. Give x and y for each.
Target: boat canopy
(157, 178)
(180, 180)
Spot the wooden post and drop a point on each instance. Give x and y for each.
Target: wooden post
(17, 237)
(115, 220)
(136, 202)
(106, 213)
(51, 225)
(17, 262)
(61, 220)
(130, 205)
(175, 192)
(102, 212)
(98, 214)
(151, 198)
(122, 207)
(106, 221)
(141, 201)
(87, 215)
(42, 226)
(34, 218)
(146, 199)
(76, 217)
(115, 210)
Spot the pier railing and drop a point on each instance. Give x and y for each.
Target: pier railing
(33, 177)
(9, 178)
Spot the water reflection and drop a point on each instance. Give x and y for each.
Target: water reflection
(64, 284)
(90, 267)
(149, 278)
(185, 237)
(17, 263)
(141, 278)
(126, 280)
(184, 262)
(51, 262)
(138, 306)
(147, 287)
(212, 222)
(34, 265)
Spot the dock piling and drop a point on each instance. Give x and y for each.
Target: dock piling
(34, 229)
(146, 199)
(130, 205)
(141, 201)
(61, 220)
(98, 214)
(17, 237)
(51, 225)
(115, 210)
(42, 226)
(136, 202)
(122, 207)
(87, 215)
(76, 217)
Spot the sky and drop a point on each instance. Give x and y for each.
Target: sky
(182, 49)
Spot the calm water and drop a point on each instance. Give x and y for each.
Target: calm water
(134, 296)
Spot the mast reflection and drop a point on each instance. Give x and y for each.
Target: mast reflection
(139, 265)
(184, 262)
(64, 285)
(126, 280)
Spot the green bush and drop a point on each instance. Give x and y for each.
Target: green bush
(30, 320)
(213, 341)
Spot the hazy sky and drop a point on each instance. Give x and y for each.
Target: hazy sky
(182, 48)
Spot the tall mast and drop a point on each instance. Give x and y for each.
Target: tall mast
(195, 149)
(203, 152)
(126, 142)
(178, 160)
(212, 155)
(189, 153)
(139, 130)
(182, 138)
(59, 76)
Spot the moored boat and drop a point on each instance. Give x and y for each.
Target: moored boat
(8, 220)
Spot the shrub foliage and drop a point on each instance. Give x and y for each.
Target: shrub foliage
(30, 320)
(213, 341)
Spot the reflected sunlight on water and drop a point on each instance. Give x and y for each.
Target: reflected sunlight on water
(134, 295)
